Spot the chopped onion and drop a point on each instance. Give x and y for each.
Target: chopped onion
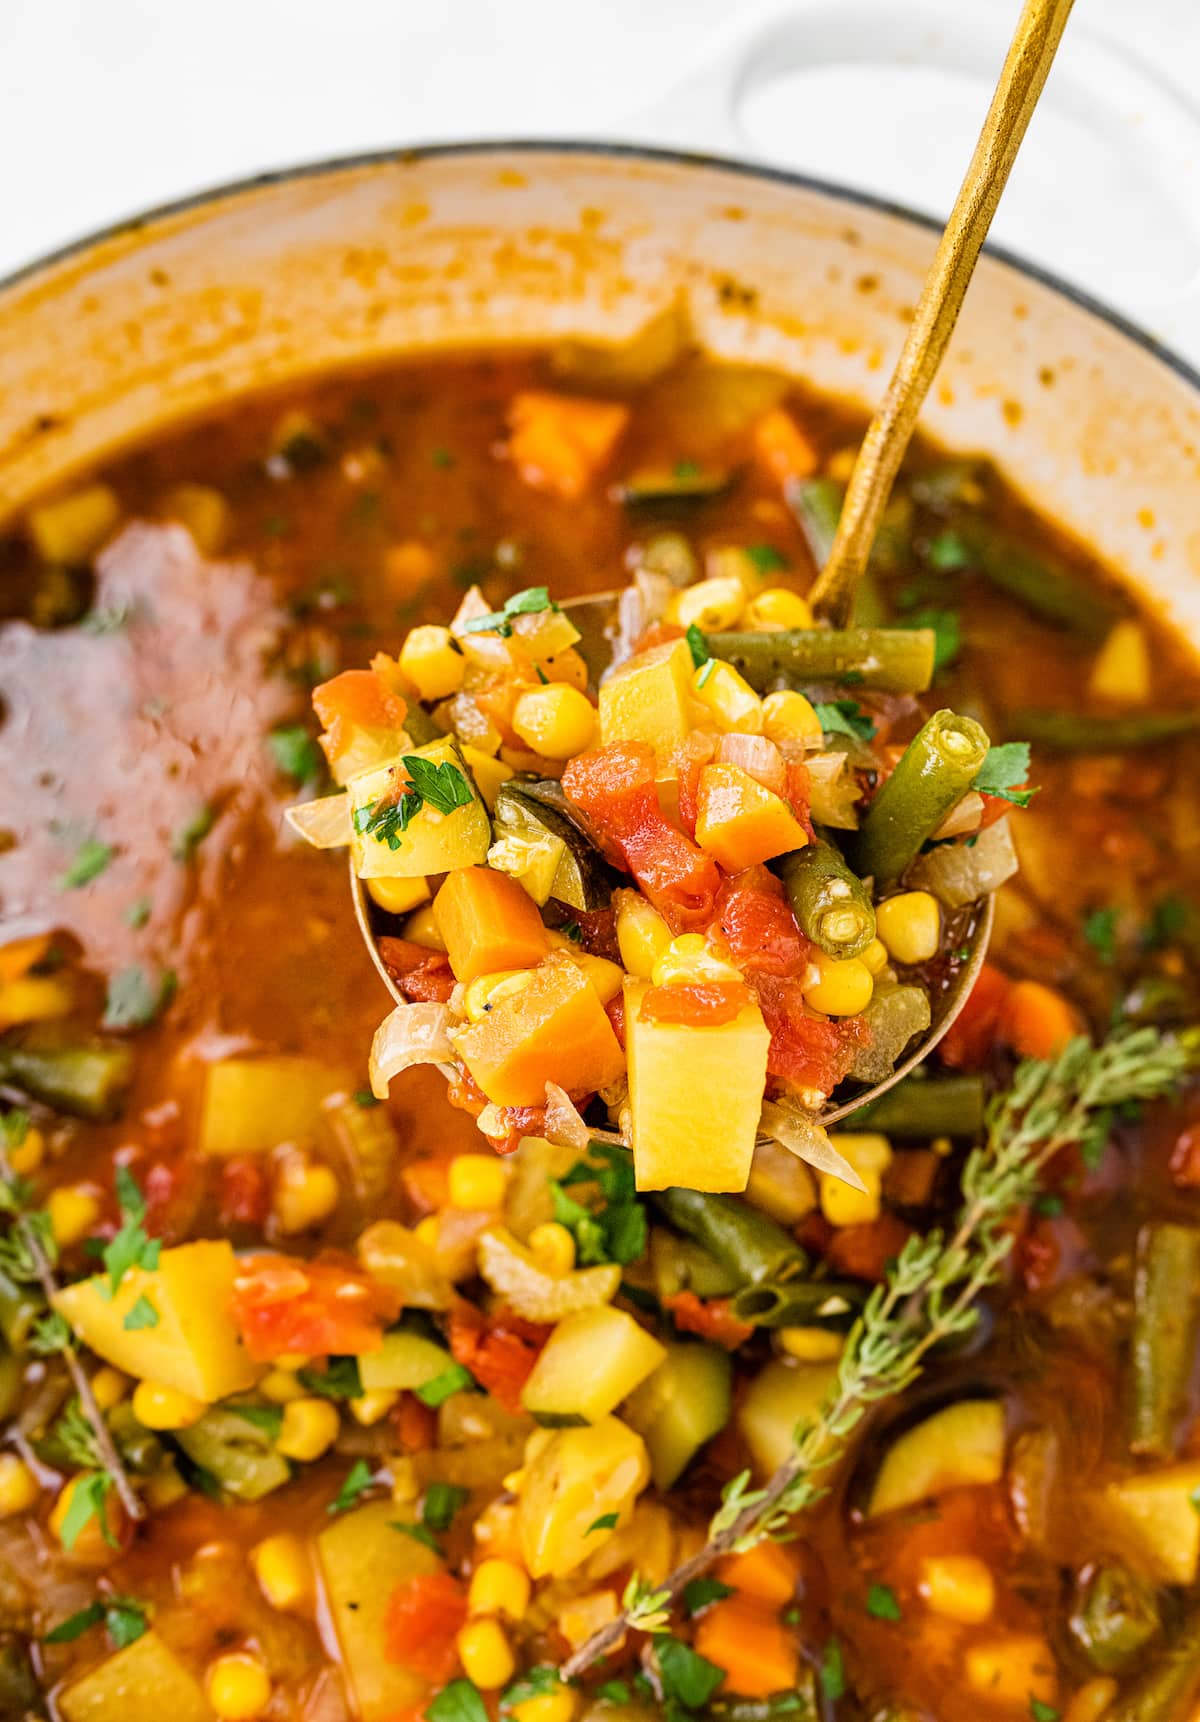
(564, 1125)
(325, 823)
(960, 873)
(642, 602)
(412, 1034)
(757, 756)
(962, 818)
(833, 791)
(803, 1135)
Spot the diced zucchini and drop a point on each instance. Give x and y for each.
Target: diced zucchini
(962, 1444)
(236, 1452)
(1153, 1515)
(363, 1558)
(681, 1406)
(406, 1360)
(534, 813)
(781, 1396)
(142, 1683)
(649, 697)
(433, 842)
(195, 1346)
(513, 1274)
(592, 1361)
(572, 1479)
(251, 1105)
(533, 861)
(695, 1095)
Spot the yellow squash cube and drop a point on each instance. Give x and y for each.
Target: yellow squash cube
(433, 842)
(593, 1360)
(570, 1479)
(363, 1558)
(142, 1683)
(251, 1105)
(740, 823)
(649, 698)
(956, 1447)
(1153, 1514)
(695, 1095)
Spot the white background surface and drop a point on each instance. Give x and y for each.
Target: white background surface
(108, 106)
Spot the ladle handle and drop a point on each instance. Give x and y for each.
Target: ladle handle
(1030, 56)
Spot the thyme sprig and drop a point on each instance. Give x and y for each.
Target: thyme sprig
(29, 1248)
(930, 1294)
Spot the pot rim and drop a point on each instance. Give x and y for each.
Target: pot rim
(490, 147)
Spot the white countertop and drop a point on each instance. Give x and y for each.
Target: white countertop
(109, 106)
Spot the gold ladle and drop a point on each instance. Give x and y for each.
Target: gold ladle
(1030, 56)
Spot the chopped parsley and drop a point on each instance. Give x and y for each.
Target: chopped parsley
(703, 1591)
(613, 1692)
(89, 1494)
(190, 836)
(442, 787)
(616, 1230)
(536, 1682)
(268, 1418)
(358, 1480)
(766, 559)
(419, 1534)
(295, 752)
(441, 458)
(833, 1672)
(442, 1502)
(882, 1603)
(687, 1677)
(456, 1379)
(123, 1618)
(364, 1098)
(685, 469)
(1048, 1206)
(130, 1247)
(88, 862)
(1004, 773)
(134, 999)
(845, 717)
(531, 602)
(947, 553)
(143, 1314)
(1168, 920)
(1100, 931)
(458, 1702)
(138, 913)
(697, 646)
(606, 1522)
(1042, 1712)
(340, 1380)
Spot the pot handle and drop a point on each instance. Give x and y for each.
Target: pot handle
(1134, 234)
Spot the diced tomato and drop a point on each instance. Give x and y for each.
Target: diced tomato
(500, 1351)
(1185, 1159)
(969, 1039)
(658, 634)
(994, 808)
(598, 932)
(799, 794)
(422, 975)
(324, 1307)
(357, 699)
(805, 1049)
(711, 1319)
(706, 1005)
(759, 926)
(424, 1616)
(688, 761)
(615, 787)
(415, 1424)
(245, 1193)
(614, 1010)
(864, 1251)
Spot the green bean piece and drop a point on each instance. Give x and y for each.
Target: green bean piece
(88, 1080)
(1166, 1328)
(140, 1448)
(934, 772)
(1169, 1686)
(746, 1242)
(830, 1304)
(1076, 732)
(921, 1107)
(20, 1307)
(1115, 1617)
(831, 903)
(1047, 589)
(237, 1453)
(679, 1264)
(894, 660)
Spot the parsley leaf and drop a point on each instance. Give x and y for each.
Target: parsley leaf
(295, 752)
(442, 787)
(131, 1247)
(125, 1621)
(687, 1677)
(531, 602)
(845, 717)
(14, 1127)
(536, 1682)
(1100, 931)
(1042, 1712)
(1004, 771)
(947, 552)
(268, 1418)
(419, 1534)
(134, 1000)
(458, 1702)
(606, 1522)
(89, 1495)
(947, 631)
(703, 1591)
(766, 559)
(833, 1672)
(340, 1380)
(442, 1501)
(190, 836)
(456, 1379)
(1168, 920)
(88, 862)
(614, 1232)
(882, 1603)
(697, 646)
(75, 1625)
(613, 1692)
(143, 1314)
(358, 1480)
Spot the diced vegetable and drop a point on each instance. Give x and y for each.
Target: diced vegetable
(1166, 1328)
(194, 1346)
(251, 1105)
(959, 1445)
(1153, 1515)
(592, 1361)
(781, 1396)
(695, 1094)
(748, 1641)
(411, 1034)
(893, 1015)
(560, 443)
(683, 1404)
(406, 1360)
(363, 1559)
(752, 1247)
(1115, 1617)
(427, 840)
(960, 873)
(324, 823)
(364, 722)
(141, 1683)
(831, 904)
(935, 771)
(488, 923)
(86, 1080)
(553, 1030)
(319, 1307)
(513, 1274)
(739, 822)
(408, 1264)
(894, 660)
(573, 1478)
(579, 878)
(236, 1452)
(648, 698)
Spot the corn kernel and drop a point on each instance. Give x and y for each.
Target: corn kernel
(304, 1195)
(910, 925)
(398, 896)
(428, 1231)
(293, 1360)
(203, 511)
(642, 934)
(777, 608)
(552, 1247)
(27, 1155)
(488, 773)
(558, 1706)
(843, 985)
(1012, 1670)
(421, 929)
(499, 1587)
(109, 1387)
(373, 1407)
(238, 1687)
(811, 1344)
(1091, 1701)
(1121, 671)
(729, 698)
(281, 1385)
(74, 1211)
(477, 1181)
(432, 662)
(19, 1488)
(875, 956)
(485, 1654)
(556, 721)
(690, 960)
(788, 716)
(160, 1407)
(35, 998)
(310, 1427)
(72, 529)
(870, 1155)
(282, 1568)
(482, 993)
(711, 605)
(958, 1587)
(606, 978)
(406, 1485)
